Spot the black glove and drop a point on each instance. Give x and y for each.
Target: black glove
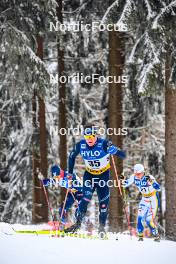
(122, 177)
(123, 182)
(147, 178)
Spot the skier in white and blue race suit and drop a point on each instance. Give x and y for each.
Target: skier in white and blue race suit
(95, 152)
(148, 205)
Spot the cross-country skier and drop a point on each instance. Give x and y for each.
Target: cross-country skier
(148, 205)
(62, 178)
(95, 152)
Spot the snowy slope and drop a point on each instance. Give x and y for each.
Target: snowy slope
(31, 249)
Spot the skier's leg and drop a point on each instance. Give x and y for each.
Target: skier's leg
(151, 215)
(82, 208)
(140, 219)
(78, 196)
(88, 190)
(103, 196)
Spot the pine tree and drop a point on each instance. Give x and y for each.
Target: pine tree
(154, 49)
(62, 117)
(22, 70)
(40, 208)
(116, 60)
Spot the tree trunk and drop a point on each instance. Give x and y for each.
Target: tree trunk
(36, 211)
(62, 99)
(116, 61)
(40, 207)
(170, 146)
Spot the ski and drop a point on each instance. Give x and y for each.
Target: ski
(60, 233)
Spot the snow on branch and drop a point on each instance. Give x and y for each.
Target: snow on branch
(154, 49)
(131, 56)
(164, 10)
(152, 52)
(144, 77)
(125, 14)
(149, 10)
(23, 48)
(88, 108)
(116, 3)
(26, 47)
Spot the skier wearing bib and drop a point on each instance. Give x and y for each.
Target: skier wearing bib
(95, 152)
(62, 178)
(148, 205)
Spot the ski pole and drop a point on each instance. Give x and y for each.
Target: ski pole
(74, 198)
(63, 208)
(47, 200)
(120, 189)
(117, 177)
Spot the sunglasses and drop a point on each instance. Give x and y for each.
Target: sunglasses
(89, 136)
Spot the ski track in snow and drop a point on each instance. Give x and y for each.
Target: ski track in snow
(33, 249)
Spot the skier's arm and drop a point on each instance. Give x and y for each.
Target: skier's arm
(62, 182)
(71, 160)
(128, 182)
(152, 181)
(113, 150)
(48, 182)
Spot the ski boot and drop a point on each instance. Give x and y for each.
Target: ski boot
(157, 238)
(101, 231)
(72, 229)
(140, 237)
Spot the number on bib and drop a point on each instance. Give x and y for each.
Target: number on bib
(94, 163)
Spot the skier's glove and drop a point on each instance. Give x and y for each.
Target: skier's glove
(149, 180)
(123, 183)
(40, 176)
(112, 149)
(122, 177)
(69, 176)
(70, 183)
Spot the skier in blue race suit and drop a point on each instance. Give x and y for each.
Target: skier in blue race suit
(148, 205)
(95, 152)
(61, 178)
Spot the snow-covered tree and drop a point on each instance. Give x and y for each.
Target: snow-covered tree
(150, 64)
(21, 71)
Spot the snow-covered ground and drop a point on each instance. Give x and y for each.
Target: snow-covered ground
(31, 249)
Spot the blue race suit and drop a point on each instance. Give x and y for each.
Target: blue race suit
(75, 190)
(148, 205)
(97, 173)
